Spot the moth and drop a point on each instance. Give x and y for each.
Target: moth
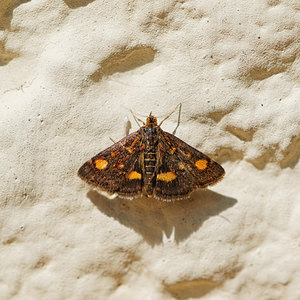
(151, 162)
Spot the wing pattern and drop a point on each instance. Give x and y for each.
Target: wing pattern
(116, 169)
(182, 169)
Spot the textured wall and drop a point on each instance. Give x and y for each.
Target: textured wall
(69, 73)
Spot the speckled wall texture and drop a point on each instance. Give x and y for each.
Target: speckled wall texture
(70, 71)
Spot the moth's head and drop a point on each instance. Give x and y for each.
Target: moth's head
(151, 121)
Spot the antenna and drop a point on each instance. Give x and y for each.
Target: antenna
(168, 116)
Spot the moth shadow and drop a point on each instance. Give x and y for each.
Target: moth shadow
(156, 220)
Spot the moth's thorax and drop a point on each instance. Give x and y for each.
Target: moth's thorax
(150, 136)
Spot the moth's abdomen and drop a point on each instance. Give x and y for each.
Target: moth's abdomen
(150, 159)
(149, 175)
(150, 162)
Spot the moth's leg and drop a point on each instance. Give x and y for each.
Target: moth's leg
(127, 126)
(168, 116)
(116, 142)
(137, 119)
(112, 140)
(178, 120)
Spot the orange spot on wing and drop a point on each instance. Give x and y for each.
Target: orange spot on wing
(189, 154)
(101, 164)
(130, 149)
(173, 150)
(121, 166)
(169, 176)
(134, 175)
(201, 164)
(113, 154)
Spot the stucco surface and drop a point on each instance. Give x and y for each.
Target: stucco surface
(69, 73)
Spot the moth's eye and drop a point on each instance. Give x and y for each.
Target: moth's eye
(149, 129)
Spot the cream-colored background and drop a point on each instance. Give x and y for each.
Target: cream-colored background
(69, 73)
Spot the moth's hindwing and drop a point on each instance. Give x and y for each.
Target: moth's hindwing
(116, 169)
